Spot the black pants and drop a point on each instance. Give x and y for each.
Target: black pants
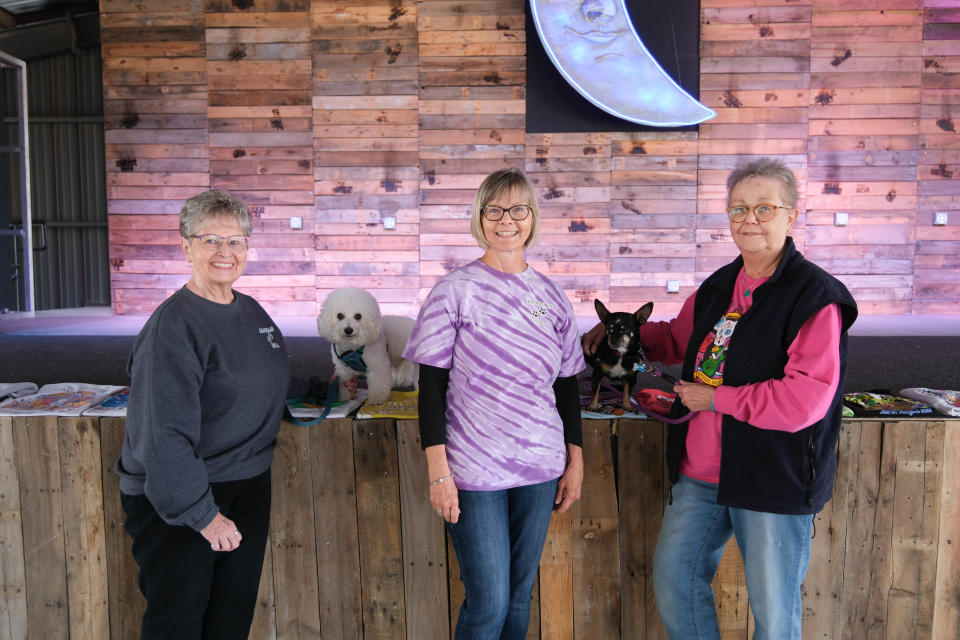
(192, 591)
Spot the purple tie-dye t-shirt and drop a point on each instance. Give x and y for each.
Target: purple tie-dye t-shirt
(505, 339)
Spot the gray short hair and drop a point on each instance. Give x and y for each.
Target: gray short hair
(496, 184)
(767, 168)
(214, 203)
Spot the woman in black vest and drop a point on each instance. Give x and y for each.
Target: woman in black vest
(763, 343)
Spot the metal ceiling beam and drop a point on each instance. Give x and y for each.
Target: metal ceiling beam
(45, 39)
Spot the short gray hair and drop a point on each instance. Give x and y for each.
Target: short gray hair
(211, 204)
(767, 168)
(498, 183)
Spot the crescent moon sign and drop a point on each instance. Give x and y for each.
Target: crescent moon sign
(593, 44)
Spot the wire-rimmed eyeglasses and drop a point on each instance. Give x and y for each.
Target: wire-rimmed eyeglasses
(212, 242)
(763, 211)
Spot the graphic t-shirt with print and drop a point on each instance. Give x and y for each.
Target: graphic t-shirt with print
(702, 459)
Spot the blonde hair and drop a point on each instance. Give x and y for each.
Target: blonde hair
(496, 184)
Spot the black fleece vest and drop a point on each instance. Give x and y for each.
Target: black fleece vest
(762, 469)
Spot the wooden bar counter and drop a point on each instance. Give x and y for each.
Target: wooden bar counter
(356, 551)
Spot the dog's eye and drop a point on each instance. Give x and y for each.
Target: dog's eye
(357, 316)
(339, 316)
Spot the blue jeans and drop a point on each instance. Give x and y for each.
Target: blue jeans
(498, 539)
(775, 550)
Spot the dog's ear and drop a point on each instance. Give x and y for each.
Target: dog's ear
(602, 312)
(643, 312)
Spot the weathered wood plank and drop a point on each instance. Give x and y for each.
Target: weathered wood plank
(823, 585)
(946, 615)
(596, 549)
(293, 548)
(556, 580)
(642, 491)
(126, 604)
(424, 542)
(83, 525)
(264, 623)
(45, 561)
(913, 537)
(730, 593)
(455, 586)
(335, 504)
(378, 523)
(13, 587)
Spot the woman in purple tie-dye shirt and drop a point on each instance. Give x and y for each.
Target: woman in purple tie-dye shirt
(499, 352)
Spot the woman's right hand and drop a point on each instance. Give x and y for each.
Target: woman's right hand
(445, 500)
(443, 495)
(222, 533)
(593, 338)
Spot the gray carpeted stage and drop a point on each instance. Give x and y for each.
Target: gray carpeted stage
(876, 362)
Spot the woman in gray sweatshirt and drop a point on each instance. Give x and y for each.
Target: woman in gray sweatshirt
(209, 377)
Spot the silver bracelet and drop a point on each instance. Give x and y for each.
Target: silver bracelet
(439, 480)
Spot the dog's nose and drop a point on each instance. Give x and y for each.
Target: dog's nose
(348, 331)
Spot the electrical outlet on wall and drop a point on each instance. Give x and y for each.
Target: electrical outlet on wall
(673, 286)
(840, 219)
(939, 218)
(389, 223)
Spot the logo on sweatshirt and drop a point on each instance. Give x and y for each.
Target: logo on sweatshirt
(268, 331)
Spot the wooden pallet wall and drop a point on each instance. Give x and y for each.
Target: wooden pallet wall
(261, 139)
(754, 72)
(471, 118)
(937, 258)
(157, 145)
(356, 552)
(350, 115)
(365, 101)
(863, 147)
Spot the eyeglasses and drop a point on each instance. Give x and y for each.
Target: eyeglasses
(763, 211)
(212, 242)
(517, 212)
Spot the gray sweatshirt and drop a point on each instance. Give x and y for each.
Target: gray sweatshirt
(208, 383)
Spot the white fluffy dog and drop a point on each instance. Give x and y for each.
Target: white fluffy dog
(364, 343)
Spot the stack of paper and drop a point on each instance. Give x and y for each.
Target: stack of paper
(401, 405)
(60, 399)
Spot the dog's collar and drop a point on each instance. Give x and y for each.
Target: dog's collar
(353, 359)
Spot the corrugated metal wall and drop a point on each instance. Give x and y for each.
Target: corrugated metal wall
(69, 191)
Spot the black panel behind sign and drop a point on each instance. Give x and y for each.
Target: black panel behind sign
(670, 29)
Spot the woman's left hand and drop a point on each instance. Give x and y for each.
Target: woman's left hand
(568, 488)
(695, 396)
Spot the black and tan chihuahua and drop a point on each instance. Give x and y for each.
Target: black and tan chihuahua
(617, 354)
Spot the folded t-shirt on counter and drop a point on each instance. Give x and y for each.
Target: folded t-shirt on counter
(945, 401)
(16, 389)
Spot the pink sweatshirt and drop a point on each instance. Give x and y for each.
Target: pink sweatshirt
(789, 404)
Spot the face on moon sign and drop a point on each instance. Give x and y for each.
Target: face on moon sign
(594, 46)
